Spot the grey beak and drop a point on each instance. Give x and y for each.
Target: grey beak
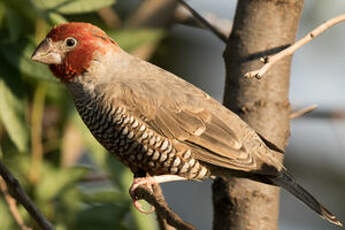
(45, 53)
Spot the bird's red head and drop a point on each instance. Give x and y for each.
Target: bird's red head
(69, 48)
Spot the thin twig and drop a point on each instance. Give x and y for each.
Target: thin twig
(184, 17)
(203, 21)
(332, 114)
(95, 178)
(18, 193)
(152, 14)
(110, 17)
(270, 61)
(301, 112)
(162, 209)
(162, 221)
(163, 224)
(12, 205)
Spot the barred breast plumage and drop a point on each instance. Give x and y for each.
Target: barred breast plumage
(134, 143)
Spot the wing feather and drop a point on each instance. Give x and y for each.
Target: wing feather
(180, 111)
(211, 138)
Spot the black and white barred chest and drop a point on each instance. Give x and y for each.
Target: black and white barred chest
(135, 144)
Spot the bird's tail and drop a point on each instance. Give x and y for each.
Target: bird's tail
(289, 183)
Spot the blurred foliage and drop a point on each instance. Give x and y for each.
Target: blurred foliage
(36, 116)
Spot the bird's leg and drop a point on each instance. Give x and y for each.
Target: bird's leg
(148, 181)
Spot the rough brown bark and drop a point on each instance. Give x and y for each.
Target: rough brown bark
(261, 28)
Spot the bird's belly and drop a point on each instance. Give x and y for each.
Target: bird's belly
(136, 145)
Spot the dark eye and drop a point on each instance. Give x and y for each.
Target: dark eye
(70, 42)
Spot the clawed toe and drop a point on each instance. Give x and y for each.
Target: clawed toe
(139, 207)
(144, 181)
(148, 182)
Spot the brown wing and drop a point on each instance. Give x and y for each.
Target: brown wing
(211, 139)
(180, 111)
(186, 118)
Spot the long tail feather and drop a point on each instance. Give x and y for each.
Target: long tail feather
(289, 183)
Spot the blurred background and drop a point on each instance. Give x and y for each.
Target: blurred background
(79, 186)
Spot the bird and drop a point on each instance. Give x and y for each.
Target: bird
(157, 124)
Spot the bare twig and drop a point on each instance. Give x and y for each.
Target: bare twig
(203, 21)
(12, 205)
(163, 224)
(326, 113)
(183, 16)
(110, 17)
(18, 193)
(145, 51)
(162, 221)
(270, 61)
(95, 178)
(157, 195)
(301, 112)
(72, 145)
(153, 14)
(162, 209)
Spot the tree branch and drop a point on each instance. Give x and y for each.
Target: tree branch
(12, 205)
(334, 114)
(258, 25)
(203, 21)
(162, 209)
(19, 194)
(270, 61)
(184, 17)
(301, 112)
(162, 221)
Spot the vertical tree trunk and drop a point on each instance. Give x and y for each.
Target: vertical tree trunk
(261, 27)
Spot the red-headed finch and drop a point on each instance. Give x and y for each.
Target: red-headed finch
(160, 126)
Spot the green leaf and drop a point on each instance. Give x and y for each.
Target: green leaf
(104, 195)
(143, 221)
(131, 39)
(57, 18)
(12, 106)
(105, 217)
(7, 221)
(19, 55)
(2, 12)
(119, 174)
(66, 205)
(14, 25)
(72, 6)
(25, 9)
(54, 180)
(1, 131)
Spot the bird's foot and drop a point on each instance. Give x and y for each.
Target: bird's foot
(144, 181)
(148, 182)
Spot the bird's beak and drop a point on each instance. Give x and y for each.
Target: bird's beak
(45, 53)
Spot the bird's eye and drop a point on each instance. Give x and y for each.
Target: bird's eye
(70, 42)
